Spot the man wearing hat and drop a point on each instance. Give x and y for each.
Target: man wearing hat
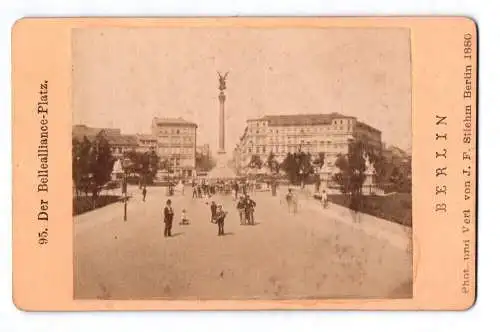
(219, 218)
(168, 218)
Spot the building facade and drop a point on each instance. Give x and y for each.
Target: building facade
(372, 137)
(176, 144)
(310, 133)
(147, 143)
(118, 142)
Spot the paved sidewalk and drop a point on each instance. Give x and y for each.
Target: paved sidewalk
(398, 235)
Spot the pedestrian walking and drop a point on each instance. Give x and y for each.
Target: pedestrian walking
(324, 199)
(236, 190)
(168, 218)
(240, 206)
(213, 211)
(195, 192)
(249, 210)
(220, 215)
(289, 200)
(144, 192)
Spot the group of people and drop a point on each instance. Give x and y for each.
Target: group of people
(206, 189)
(203, 189)
(246, 209)
(245, 206)
(218, 215)
(168, 218)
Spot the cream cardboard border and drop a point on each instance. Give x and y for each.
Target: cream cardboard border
(43, 275)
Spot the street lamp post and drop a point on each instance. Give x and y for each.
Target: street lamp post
(125, 185)
(125, 198)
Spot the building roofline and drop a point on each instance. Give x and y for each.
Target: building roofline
(174, 121)
(367, 125)
(301, 119)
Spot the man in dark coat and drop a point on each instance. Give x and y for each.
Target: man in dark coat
(249, 210)
(236, 189)
(241, 210)
(213, 210)
(168, 218)
(220, 215)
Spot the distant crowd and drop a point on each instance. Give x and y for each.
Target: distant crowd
(207, 189)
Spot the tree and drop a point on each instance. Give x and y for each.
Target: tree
(203, 162)
(81, 164)
(272, 163)
(352, 168)
(92, 164)
(255, 162)
(75, 155)
(101, 163)
(290, 166)
(305, 166)
(153, 162)
(298, 167)
(135, 159)
(320, 160)
(341, 177)
(145, 164)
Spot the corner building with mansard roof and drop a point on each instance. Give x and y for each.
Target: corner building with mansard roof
(311, 133)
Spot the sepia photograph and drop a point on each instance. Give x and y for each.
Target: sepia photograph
(241, 163)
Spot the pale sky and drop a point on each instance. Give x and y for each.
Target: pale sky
(123, 77)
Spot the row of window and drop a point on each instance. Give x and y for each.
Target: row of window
(174, 131)
(294, 148)
(148, 142)
(258, 124)
(296, 139)
(300, 130)
(335, 121)
(188, 151)
(296, 142)
(180, 162)
(166, 140)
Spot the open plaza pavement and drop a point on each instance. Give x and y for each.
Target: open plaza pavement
(315, 253)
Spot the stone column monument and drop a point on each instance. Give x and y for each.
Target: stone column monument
(222, 169)
(222, 100)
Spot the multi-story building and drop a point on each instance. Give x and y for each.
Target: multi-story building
(176, 141)
(119, 143)
(147, 143)
(310, 133)
(372, 137)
